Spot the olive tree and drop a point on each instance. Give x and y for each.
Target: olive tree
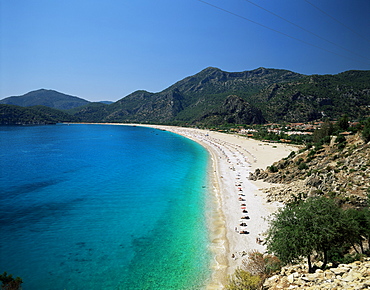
(302, 229)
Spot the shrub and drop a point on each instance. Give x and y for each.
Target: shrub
(243, 280)
(299, 161)
(340, 139)
(341, 146)
(273, 169)
(261, 265)
(311, 153)
(302, 166)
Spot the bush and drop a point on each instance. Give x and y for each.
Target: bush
(299, 161)
(302, 166)
(261, 265)
(340, 139)
(341, 146)
(311, 153)
(243, 280)
(273, 169)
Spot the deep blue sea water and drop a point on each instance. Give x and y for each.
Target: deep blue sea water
(102, 207)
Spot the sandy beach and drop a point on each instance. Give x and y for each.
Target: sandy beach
(237, 200)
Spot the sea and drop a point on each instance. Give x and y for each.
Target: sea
(88, 206)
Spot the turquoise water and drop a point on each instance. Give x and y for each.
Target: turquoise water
(102, 207)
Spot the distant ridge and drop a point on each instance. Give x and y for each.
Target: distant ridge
(48, 98)
(213, 97)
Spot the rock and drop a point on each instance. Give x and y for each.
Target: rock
(339, 271)
(291, 278)
(352, 276)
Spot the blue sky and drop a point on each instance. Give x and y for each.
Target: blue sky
(105, 50)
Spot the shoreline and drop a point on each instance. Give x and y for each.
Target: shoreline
(232, 158)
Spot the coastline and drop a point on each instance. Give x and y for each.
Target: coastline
(232, 158)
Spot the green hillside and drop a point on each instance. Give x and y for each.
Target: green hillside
(190, 99)
(16, 115)
(213, 97)
(314, 97)
(48, 98)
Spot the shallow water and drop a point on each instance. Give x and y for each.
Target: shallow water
(102, 207)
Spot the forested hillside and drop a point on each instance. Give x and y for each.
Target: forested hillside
(213, 97)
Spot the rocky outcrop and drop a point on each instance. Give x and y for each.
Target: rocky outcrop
(339, 172)
(234, 110)
(355, 275)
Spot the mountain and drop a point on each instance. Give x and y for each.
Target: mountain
(48, 98)
(92, 112)
(213, 97)
(317, 96)
(234, 110)
(272, 95)
(190, 99)
(280, 95)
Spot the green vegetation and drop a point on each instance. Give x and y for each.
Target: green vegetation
(366, 131)
(204, 100)
(16, 115)
(256, 268)
(308, 98)
(317, 226)
(263, 265)
(10, 283)
(243, 280)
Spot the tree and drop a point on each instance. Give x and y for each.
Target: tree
(343, 123)
(304, 228)
(358, 227)
(322, 135)
(10, 283)
(366, 130)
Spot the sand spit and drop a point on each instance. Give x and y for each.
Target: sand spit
(238, 200)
